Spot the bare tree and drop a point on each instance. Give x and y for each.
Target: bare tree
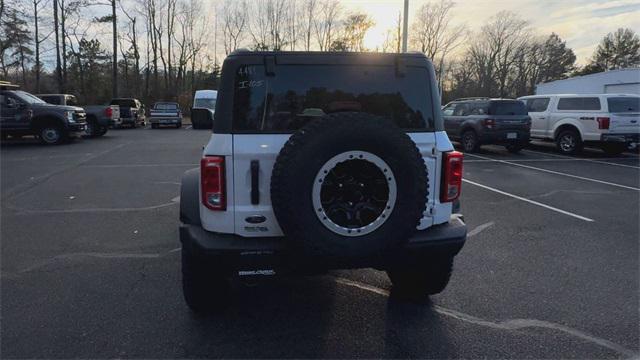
(132, 37)
(354, 29)
(114, 76)
(57, 32)
(326, 22)
(37, 40)
(433, 34)
(171, 18)
(393, 37)
(309, 13)
(234, 24)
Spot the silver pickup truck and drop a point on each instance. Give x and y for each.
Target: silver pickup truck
(165, 114)
(99, 117)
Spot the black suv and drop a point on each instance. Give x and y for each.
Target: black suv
(482, 121)
(321, 161)
(22, 113)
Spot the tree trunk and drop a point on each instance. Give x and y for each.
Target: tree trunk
(55, 29)
(37, 45)
(114, 76)
(63, 28)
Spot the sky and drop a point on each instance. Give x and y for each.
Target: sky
(581, 23)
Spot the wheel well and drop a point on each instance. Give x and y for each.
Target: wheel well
(467, 128)
(39, 122)
(566, 127)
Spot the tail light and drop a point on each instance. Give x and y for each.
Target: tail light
(603, 122)
(452, 176)
(489, 123)
(108, 112)
(212, 183)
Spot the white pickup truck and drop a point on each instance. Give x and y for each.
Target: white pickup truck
(610, 121)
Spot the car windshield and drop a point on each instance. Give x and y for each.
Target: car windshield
(512, 107)
(165, 106)
(624, 104)
(205, 103)
(28, 98)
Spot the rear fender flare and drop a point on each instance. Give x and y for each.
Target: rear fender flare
(190, 197)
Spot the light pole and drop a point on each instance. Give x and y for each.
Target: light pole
(405, 26)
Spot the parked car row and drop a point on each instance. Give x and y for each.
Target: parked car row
(608, 121)
(99, 117)
(54, 118)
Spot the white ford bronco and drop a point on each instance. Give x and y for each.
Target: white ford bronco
(322, 161)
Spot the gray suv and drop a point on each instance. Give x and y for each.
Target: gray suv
(482, 121)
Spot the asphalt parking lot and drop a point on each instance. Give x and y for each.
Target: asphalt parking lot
(91, 264)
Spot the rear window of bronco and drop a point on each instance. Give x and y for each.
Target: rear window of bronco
(299, 93)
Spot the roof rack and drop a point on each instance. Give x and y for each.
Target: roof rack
(5, 85)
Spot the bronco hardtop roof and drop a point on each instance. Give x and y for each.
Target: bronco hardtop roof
(329, 58)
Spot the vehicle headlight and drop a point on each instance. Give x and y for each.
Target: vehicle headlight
(70, 116)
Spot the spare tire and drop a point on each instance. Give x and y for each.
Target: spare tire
(349, 185)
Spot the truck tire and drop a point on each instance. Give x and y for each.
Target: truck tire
(568, 142)
(416, 282)
(92, 129)
(204, 288)
(103, 130)
(52, 134)
(348, 185)
(469, 141)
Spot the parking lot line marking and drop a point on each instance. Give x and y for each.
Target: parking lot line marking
(137, 165)
(20, 211)
(529, 201)
(480, 228)
(559, 173)
(590, 160)
(511, 324)
(550, 160)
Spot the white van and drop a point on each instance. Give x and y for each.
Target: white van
(204, 107)
(610, 121)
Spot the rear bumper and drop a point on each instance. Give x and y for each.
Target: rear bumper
(130, 120)
(165, 120)
(237, 254)
(504, 136)
(620, 138)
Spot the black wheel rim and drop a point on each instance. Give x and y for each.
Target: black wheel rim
(354, 194)
(50, 135)
(468, 141)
